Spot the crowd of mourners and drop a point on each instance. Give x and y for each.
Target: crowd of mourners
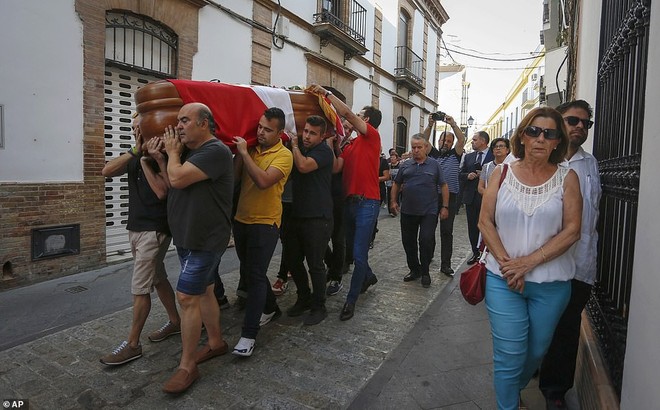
(531, 204)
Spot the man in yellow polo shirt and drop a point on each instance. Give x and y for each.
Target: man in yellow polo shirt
(262, 170)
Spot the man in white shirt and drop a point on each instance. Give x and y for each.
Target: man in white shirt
(558, 368)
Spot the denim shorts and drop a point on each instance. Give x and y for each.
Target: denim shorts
(198, 270)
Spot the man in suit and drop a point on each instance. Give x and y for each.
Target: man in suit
(469, 176)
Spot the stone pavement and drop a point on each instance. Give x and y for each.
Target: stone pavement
(406, 347)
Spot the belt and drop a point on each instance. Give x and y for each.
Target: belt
(354, 198)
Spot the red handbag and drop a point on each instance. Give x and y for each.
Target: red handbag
(473, 279)
(473, 282)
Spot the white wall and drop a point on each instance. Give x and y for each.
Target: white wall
(390, 22)
(587, 58)
(225, 45)
(553, 60)
(431, 59)
(41, 83)
(642, 362)
(450, 94)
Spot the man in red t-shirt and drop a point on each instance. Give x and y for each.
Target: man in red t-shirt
(359, 162)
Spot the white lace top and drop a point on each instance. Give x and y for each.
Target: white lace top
(526, 218)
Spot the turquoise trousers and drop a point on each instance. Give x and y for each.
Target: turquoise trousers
(522, 325)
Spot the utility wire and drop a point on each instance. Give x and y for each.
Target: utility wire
(494, 54)
(491, 58)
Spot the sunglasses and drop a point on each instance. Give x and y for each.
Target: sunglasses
(500, 146)
(573, 121)
(533, 131)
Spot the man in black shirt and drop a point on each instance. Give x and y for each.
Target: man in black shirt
(311, 220)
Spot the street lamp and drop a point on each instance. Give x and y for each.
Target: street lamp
(470, 121)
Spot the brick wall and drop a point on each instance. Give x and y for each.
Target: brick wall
(27, 206)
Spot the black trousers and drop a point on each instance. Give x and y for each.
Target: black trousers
(558, 367)
(335, 256)
(284, 226)
(307, 239)
(472, 214)
(420, 229)
(255, 244)
(447, 233)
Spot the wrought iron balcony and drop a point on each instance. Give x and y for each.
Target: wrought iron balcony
(408, 71)
(346, 27)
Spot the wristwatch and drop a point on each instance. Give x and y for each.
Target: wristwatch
(328, 93)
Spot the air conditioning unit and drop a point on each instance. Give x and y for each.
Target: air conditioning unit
(534, 76)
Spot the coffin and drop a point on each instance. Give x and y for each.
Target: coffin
(236, 108)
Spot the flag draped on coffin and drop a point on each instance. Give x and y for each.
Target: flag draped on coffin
(237, 108)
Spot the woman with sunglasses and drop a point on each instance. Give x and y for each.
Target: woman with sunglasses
(500, 148)
(529, 223)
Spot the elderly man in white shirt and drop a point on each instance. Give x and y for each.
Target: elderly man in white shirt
(558, 367)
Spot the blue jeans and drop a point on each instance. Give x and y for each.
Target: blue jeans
(522, 326)
(255, 244)
(360, 216)
(198, 270)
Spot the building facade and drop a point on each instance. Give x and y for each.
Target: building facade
(67, 99)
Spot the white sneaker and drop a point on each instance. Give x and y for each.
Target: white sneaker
(244, 347)
(267, 317)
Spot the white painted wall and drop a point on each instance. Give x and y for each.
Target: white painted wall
(390, 22)
(640, 372)
(431, 58)
(553, 60)
(41, 83)
(587, 58)
(451, 91)
(225, 45)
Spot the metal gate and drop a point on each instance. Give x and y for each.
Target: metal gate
(120, 87)
(618, 146)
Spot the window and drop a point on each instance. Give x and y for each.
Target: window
(401, 133)
(137, 42)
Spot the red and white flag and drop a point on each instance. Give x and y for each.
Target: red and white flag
(237, 108)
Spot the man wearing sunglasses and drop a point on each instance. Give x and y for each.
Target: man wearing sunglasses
(558, 367)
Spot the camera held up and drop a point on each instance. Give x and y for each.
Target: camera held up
(438, 116)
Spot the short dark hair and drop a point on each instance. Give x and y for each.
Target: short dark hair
(276, 113)
(316, 121)
(374, 115)
(562, 108)
(484, 136)
(500, 139)
(557, 155)
(204, 113)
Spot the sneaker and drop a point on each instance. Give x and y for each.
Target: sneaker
(448, 271)
(223, 302)
(167, 330)
(279, 287)
(298, 308)
(266, 318)
(122, 354)
(244, 347)
(315, 316)
(372, 280)
(334, 287)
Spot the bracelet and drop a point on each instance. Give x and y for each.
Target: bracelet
(133, 151)
(328, 93)
(445, 206)
(543, 254)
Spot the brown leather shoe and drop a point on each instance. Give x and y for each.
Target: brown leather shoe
(181, 380)
(206, 353)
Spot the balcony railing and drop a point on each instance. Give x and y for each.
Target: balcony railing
(409, 68)
(347, 28)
